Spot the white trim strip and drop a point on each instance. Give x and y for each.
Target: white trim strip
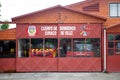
(105, 51)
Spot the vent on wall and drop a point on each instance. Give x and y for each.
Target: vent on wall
(94, 7)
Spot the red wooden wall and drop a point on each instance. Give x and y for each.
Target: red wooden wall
(7, 65)
(59, 63)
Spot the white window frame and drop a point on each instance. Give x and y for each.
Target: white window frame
(117, 12)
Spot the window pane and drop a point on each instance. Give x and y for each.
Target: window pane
(23, 47)
(8, 49)
(117, 51)
(79, 44)
(110, 45)
(51, 46)
(110, 51)
(110, 37)
(117, 37)
(117, 44)
(95, 46)
(81, 47)
(65, 47)
(37, 47)
(119, 10)
(87, 47)
(113, 10)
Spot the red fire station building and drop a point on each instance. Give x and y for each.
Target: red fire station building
(83, 36)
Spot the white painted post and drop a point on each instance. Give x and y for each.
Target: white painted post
(105, 54)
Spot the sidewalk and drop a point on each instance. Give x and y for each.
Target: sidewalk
(59, 76)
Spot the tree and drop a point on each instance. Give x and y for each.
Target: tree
(4, 26)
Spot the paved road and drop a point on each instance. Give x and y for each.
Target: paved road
(59, 76)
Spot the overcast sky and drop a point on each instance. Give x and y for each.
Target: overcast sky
(13, 8)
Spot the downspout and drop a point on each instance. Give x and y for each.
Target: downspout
(105, 54)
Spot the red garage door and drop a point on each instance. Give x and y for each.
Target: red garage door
(37, 47)
(58, 47)
(80, 47)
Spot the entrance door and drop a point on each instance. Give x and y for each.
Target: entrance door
(113, 52)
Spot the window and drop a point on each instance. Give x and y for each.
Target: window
(110, 44)
(38, 47)
(87, 47)
(80, 47)
(79, 44)
(117, 37)
(23, 47)
(65, 47)
(68, 47)
(118, 9)
(51, 45)
(117, 49)
(8, 49)
(110, 37)
(115, 10)
(113, 44)
(95, 46)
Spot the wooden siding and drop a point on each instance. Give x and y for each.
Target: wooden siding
(114, 29)
(9, 34)
(58, 15)
(79, 6)
(103, 10)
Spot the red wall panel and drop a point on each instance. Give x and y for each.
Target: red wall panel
(113, 63)
(36, 64)
(7, 64)
(79, 64)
